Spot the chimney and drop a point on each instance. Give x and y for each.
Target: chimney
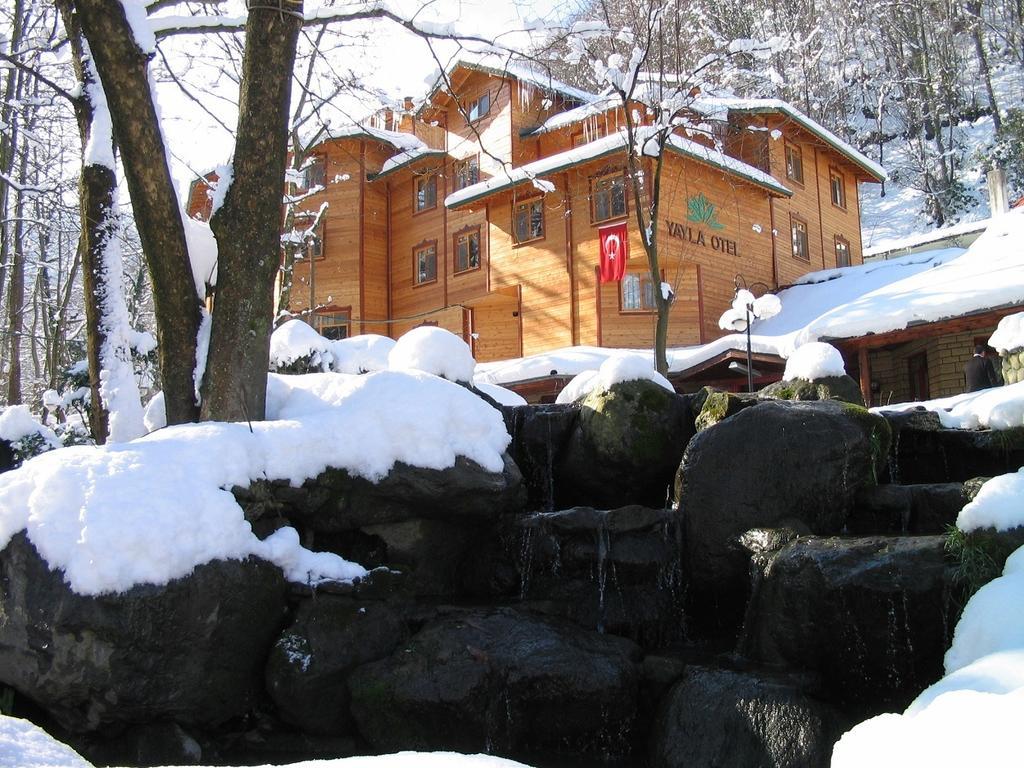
(998, 195)
(406, 125)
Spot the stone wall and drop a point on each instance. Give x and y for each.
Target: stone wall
(946, 357)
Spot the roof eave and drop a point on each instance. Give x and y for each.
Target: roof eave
(762, 110)
(432, 154)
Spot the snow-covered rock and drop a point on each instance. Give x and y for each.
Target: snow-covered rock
(364, 353)
(1009, 334)
(814, 360)
(295, 341)
(433, 350)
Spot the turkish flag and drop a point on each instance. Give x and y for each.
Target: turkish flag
(614, 252)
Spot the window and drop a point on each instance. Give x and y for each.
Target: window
(801, 245)
(425, 263)
(837, 184)
(332, 325)
(315, 173)
(842, 251)
(467, 250)
(314, 244)
(608, 197)
(528, 220)
(426, 192)
(479, 107)
(467, 172)
(794, 163)
(637, 293)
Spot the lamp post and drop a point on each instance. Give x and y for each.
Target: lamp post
(745, 309)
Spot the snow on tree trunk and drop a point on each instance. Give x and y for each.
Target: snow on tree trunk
(123, 69)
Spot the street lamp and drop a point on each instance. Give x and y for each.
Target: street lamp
(744, 310)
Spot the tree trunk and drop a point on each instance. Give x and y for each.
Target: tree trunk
(248, 225)
(122, 68)
(16, 293)
(974, 12)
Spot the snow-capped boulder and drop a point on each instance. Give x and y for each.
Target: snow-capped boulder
(500, 680)
(310, 662)
(872, 616)
(756, 721)
(628, 440)
(190, 651)
(337, 500)
(296, 348)
(364, 353)
(771, 463)
(815, 371)
(433, 350)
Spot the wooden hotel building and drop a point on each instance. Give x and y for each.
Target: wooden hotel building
(480, 212)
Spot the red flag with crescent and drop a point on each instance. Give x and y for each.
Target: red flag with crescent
(614, 252)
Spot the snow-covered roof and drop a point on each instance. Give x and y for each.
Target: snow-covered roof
(594, 108)
(600, 148)
(883, 296)
(712, 105)
(922, 239)
(873, 298)
(397, 139)
(407, 158)
(501, 65)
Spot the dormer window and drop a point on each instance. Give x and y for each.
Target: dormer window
(479, 107)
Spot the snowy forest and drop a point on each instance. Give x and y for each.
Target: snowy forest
(933, 90)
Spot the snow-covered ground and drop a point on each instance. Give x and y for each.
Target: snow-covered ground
(24, 745)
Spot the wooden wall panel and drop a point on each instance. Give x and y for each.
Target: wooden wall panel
(336, 275)
(495, 322)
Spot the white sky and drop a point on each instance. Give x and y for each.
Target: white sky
(390, 60)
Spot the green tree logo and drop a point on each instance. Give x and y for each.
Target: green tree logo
(700, 210)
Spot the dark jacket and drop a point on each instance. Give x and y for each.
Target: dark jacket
(979, 373)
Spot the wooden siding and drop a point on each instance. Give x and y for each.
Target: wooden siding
(336, 276)
(811, 201)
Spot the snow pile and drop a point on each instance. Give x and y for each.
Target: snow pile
(433, 350)
(1009, 334)
(993, 408)
(295, 340)
(972, 715)
(614, 370)
(629, 368)
(815, 360)
(999, 504)
(151, 510)
(578, 387)
(499, 394)
(17, 423)
(25, 745)
(364, 353)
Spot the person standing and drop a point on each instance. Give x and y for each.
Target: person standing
(979, 373)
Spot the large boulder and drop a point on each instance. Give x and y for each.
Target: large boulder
(913, 509)
(500, 681)
(190, 651)
(338, 501)
(872, 616)
(626, 446)
(776, 463)
(716, 717)
(540, 434)
(826, 388)
(718, 406)
(925, 452)
(308, 668)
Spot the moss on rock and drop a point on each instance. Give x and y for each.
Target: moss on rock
(842, 388)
